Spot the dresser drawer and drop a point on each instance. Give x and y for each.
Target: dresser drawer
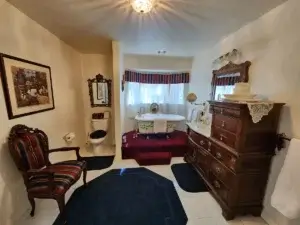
(226, 122)
(198, 139)
(224, 156)
(203, 160)
(222, 173)
(192, 151)
(221, 190)
(223, 136)
(225, 111)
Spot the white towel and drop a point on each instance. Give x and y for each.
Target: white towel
(159, 126)
(286, 195)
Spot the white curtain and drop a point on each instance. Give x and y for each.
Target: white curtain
(170, 97)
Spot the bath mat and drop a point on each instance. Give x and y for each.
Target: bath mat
(133, 196)
(98, 162)
(188, 179)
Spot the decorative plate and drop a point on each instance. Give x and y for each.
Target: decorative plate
(154, 107)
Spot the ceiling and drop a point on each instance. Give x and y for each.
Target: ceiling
(181, 27)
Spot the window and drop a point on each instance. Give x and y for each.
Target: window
(140, 93)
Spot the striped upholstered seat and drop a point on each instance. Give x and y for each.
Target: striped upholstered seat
(30, 151)
(65, 174)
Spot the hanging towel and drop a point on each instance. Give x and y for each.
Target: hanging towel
(286, 195)
(159, 126)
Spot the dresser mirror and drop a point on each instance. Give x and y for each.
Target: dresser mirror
(100, 91)
(224, 79)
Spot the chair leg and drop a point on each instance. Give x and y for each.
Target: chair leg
(32, 203)
(61, 203)
(61, 206)
(84, 176)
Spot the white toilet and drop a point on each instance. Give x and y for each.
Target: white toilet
(98, 134)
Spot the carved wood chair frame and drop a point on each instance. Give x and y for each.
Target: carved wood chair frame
(15, 133)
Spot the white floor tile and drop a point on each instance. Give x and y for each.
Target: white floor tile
(253, 221)
(212, 221)
(200, 208)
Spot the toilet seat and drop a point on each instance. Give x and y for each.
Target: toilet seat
(98, 134)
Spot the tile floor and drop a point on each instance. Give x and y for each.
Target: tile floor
(200, 208)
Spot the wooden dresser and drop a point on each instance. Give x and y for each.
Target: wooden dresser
(235, 160)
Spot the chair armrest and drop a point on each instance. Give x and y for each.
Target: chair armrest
(65, 149)
(43, 172)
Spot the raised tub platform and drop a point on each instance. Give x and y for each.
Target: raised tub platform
(155, 150)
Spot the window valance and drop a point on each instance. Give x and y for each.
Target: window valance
(156, 78)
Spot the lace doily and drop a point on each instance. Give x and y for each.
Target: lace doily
(258, 110)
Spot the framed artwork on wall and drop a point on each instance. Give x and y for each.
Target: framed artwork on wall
(27, 86)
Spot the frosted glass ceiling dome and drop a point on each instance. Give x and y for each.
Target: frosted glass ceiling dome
(143, 6)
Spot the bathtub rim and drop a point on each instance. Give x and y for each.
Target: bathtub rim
(179, 119)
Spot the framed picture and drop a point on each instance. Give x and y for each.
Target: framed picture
(27, 86)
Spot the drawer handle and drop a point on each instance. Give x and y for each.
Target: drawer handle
(209, 146)
(217, 184)
(221, 111)
(222, 137)
(219, 155)
(233, 160)
(201, 142)
(223, 123)
(218, 170)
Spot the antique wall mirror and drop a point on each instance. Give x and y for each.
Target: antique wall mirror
(100, 91)
(224, 79)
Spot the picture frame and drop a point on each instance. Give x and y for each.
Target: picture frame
(27, 86)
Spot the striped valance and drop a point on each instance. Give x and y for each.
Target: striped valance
(156, 78)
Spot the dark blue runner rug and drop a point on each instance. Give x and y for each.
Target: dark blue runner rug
(98, 162)
(135, 196)
(187, 178)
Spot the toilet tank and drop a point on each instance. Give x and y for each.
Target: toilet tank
(100, 124)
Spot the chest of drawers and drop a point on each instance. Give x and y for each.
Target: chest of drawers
(235, 160)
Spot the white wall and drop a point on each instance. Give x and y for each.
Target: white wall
(149, 62)
(272, 44)
(119, 106)
(93, 64)
(22, 37)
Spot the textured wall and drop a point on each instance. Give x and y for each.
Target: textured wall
(272, 44)
(119, 106)
(22, 37)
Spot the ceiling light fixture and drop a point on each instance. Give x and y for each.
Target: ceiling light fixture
(143, 6)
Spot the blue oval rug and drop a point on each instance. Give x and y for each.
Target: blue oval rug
(135, 196)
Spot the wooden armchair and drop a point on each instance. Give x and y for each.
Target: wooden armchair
(29, 149)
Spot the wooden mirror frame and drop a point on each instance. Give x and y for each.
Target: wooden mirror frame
(99, 79)
(230, 68)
